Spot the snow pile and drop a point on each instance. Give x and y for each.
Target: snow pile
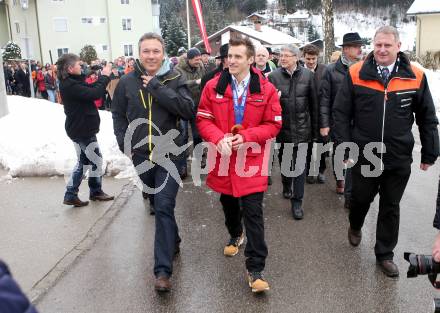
(34, 141)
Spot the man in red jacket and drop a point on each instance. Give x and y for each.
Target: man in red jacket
(240, 113)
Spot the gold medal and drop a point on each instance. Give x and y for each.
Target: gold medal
(236, 128)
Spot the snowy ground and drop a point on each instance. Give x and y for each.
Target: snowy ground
(34, 142)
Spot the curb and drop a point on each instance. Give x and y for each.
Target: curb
(41, 287)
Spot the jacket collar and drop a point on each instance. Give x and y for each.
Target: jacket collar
(299, 68)
(341, 67)
(225, 79)
(402, 68)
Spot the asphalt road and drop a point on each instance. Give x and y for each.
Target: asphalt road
(311, 266)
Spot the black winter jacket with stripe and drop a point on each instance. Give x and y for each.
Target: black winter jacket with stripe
(161, 104)
(385, 113)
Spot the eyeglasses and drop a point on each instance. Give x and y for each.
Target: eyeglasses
(287, 55)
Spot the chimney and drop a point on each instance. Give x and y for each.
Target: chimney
(257, 25)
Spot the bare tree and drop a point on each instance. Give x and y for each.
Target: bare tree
(3, 99)
(328, 27)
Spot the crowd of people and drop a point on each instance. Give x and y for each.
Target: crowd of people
(244, 102)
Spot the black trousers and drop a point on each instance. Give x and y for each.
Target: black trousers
(250, 208)
(390, 185)
(322, 165)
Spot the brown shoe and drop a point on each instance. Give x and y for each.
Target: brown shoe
(354, 236)
(389, 268)
(102, 196)
(76, 202)
(340, 187)
(162, 284)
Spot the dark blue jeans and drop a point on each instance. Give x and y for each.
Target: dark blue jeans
(89, 159)
(164, 200)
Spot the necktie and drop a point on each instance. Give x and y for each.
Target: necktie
(385, 72)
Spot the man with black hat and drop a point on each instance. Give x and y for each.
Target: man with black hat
(208, 63)
(330, 84)
(222, 58)
(192, 71)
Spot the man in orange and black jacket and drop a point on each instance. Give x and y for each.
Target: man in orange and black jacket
(381, 96)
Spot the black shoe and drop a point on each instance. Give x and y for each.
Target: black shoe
(354, 236)
(101, 196)
(76, 202)
(269, 181)
(310, 180)
(287, 192)
(321, 178)
(389, 268)
(297, 210)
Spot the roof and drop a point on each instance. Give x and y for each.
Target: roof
(424, 7)
(298, 15)
(257, 15)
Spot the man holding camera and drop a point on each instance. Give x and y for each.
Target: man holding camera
(82, 125)
(376, 104)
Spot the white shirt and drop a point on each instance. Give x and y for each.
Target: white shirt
(390, 67)
(242, 85)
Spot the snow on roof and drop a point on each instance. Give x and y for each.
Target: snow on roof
(424, 7)
(258, 15)
(300, 14)
(268, 35)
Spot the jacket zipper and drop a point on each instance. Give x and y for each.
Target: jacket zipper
(150, 123)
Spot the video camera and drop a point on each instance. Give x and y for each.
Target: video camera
(420, 264)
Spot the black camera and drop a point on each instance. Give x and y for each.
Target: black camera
(420, 264)
(96, 67)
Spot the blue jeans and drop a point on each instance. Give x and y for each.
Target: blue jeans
(166, 233)
(89, 158)
(51, 95)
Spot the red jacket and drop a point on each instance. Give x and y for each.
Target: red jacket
(40, 81)
(261, 123)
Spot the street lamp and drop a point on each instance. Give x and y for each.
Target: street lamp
(25, 5)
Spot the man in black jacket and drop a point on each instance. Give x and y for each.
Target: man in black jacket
(376, 105)
(330, 84)
(82, 125)
(311, 54)
(146, 107)
(296, 87)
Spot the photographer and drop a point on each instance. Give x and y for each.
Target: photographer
(82, 125)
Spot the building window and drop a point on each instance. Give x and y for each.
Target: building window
(62, 51)
(128, 50)
(15, 2)
(104, 48)
(17, 27)
(86, 20)
(126, 24)
(102, 20)
(60, 24)
(125, 2)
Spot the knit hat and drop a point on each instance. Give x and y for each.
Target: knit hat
(192, 53)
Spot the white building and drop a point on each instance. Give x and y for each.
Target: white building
(113, 27)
